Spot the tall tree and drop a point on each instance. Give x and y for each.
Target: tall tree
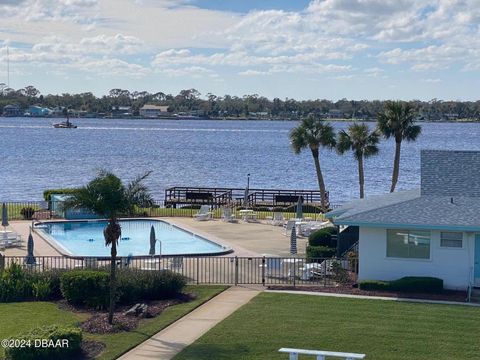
(397, 120)
(363, 143)
(108, 197)
(314, 133)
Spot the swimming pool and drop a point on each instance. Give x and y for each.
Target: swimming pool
(85, 238)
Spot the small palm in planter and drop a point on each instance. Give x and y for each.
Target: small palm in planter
(108, 197)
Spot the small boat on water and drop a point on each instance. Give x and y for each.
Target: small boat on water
(65, 125)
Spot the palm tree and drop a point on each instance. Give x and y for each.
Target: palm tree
(108, 197)
(363, 143)
(398, 121)
(314, 133)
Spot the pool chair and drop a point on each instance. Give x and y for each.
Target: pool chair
(176, 263)
(277, 219)
(11, 241)
(315, 270)
(227, 215)
(125, 261)
(203, 214)
(273, 267)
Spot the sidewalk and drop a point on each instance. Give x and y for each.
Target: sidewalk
(171, 340)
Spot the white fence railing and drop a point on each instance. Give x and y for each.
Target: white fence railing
(320, 354)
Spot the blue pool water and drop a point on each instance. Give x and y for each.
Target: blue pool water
(85, 238)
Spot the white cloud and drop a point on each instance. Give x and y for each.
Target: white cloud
(254, 73)
(432, 81)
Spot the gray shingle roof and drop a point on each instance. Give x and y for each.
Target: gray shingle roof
(446, 176)
(428, 212)
(450, 173)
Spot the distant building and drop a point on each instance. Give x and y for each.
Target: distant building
(121, 110)
(335, 114)
(150, 111)
(12, 111)
(38, 111)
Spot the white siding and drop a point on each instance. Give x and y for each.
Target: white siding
(451, 265)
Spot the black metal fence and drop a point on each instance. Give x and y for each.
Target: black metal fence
(214, 270)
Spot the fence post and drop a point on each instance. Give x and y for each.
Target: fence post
(236, 270)
(2, 262)
(294, 270)
(263, 271)
(198, 269)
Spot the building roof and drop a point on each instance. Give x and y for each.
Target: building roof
(451, 204)
(162, 108)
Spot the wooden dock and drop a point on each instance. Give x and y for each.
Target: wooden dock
(217, 197)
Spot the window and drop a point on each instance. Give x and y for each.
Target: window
(451, 239)
(410, 244)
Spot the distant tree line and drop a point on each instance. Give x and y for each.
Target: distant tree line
(228, 106)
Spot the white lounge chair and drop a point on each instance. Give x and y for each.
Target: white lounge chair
(277, 219)
(203, 214)
(273, 267)
(227, 215)
(311, 270)
(11, 241)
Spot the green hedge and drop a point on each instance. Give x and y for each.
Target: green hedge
(318, 252)
(417, 284)
(91, 288)
(16, 284)
(47, 194)
(57, 337)
(147, 285)
(86, 288)
(323, 237)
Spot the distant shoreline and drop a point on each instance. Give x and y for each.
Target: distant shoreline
(230, 119)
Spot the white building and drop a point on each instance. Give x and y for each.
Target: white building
(433, 231)
(151, 111)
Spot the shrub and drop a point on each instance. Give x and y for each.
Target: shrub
(323, 237)
(27, 213)
(374, 285)
(148, 285)
(340, 275)
(417, 284)
(405, 284)
(16, 284)
(13, 284)
(54, 334)
(52, 277)
(86, 288)
(318, 252)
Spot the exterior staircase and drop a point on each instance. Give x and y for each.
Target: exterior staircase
(475, 295)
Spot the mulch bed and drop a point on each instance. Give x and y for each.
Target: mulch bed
(98, 322)
(447, 295)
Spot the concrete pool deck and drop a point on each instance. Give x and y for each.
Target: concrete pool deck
(246, 239)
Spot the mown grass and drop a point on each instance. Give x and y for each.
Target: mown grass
(16, 318)
(381, 329)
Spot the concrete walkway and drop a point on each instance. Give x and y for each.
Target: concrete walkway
(171, 340)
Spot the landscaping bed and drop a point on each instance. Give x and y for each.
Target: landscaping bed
(446, 295)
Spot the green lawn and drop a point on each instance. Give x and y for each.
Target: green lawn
(16, 318)
(381, 329)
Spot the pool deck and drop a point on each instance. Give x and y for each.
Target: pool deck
(246, 239)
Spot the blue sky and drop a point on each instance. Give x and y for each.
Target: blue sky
(355, 49)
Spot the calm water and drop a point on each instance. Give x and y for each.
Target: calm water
(86, 238)
(35, 156)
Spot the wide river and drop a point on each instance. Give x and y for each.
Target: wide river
(34, 156)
